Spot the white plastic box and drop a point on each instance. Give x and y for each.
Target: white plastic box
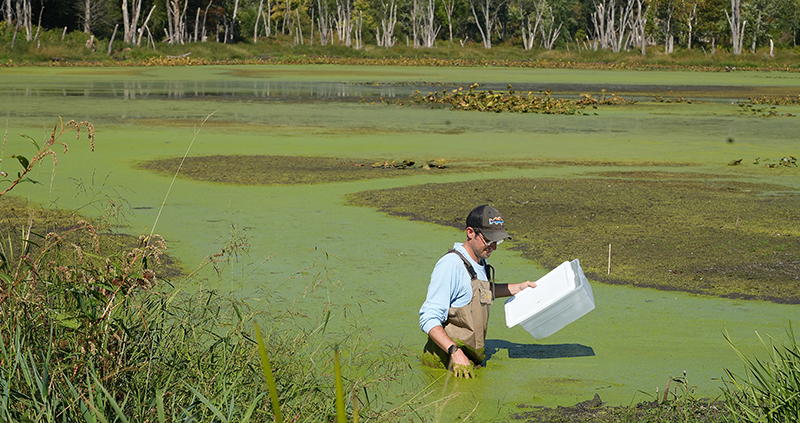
(560, 298)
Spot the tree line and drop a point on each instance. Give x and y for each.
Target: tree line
(735, 25)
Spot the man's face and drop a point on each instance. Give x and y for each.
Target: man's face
(478, 245)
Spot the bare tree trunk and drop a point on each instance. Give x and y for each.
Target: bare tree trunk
(667, 28)
(299, 28)
(414, 22)
(599, 20)
(449, 6)
(690, 24)
(176, 21)
(610, 30)
(388, 22)
(529, 36)
(126, 22)
(323, 21)
(144, 25)
(24, 19)
(233, 21)
(641, 22)
(203, 33)
(89, 13)
(130, 20)
(39, 25)
(8, 13)
(197, 24)
(87, 16)
(756, 31)
(359, 24)
(429, 28)
(488, 21)
(343, 21)
(258, 18)
(268, 20)
(111, 43)
(549, 39)
(737, 25)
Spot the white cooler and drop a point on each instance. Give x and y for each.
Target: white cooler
(560, 298)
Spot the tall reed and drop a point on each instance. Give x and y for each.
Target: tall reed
(769, 390)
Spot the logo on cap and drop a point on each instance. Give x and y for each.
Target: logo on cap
(497, 220)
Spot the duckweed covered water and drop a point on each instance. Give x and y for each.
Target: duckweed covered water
(378, 266)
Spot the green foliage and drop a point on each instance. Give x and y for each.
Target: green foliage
(266, 368)
(769, 391)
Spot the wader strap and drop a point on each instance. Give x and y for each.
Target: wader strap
(470, 270)
(487, 267)
(489, 272)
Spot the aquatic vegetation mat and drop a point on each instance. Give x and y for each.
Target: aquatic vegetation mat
(710, 236)
(293, 170)
(512, 101)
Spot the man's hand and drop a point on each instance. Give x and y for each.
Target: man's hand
(460, 370)
(462, 367)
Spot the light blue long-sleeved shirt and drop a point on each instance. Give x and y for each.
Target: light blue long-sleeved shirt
(450, 287)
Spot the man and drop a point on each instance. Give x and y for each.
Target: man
(455, 314)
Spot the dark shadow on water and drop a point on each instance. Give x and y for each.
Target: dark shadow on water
(537, 351)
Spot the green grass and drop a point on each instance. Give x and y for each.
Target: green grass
(769, 389)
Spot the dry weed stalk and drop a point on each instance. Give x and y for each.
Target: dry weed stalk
(47, 149)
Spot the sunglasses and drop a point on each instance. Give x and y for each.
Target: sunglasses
(486, 241)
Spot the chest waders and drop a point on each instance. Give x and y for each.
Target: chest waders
(467, 325)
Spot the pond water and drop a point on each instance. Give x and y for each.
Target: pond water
(635, 339)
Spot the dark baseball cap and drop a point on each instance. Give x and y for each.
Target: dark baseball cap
(487, 220)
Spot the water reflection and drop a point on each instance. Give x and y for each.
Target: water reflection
(238, 89)
(271, 90)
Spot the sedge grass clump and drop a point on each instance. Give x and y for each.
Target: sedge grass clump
(769, 389)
